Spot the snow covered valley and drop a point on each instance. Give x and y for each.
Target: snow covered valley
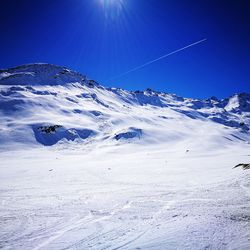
(88, 167)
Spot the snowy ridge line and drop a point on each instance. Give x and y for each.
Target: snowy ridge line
(48, 105)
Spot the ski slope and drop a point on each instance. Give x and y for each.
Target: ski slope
(89, 167)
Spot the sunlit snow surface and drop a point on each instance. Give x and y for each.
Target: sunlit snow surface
(84, 167)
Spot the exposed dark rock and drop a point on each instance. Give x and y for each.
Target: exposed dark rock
(244, 166)
(49, 129)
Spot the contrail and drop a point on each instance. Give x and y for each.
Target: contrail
(157, 59)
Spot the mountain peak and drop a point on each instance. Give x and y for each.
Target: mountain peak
(238, 102)
(39, 74)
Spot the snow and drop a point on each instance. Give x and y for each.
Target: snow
(37, 74)
(88, 167)
(125, 197)
(233, 103)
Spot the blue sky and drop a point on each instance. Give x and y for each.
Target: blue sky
(104, 38)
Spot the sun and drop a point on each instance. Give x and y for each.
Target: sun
(110, 3)
(112, 8)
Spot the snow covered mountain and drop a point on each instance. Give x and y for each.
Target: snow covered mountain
(88, 167)
(47, 104)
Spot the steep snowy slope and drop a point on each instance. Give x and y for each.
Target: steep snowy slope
(88, 167)
(44, 104)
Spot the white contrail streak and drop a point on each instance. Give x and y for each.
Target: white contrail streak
(157, 59)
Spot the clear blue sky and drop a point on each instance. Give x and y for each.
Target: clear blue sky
(103, 38)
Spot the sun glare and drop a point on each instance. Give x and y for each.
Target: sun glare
(112, 8)
(110, 2)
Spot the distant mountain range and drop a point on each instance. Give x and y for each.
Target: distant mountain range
(47, 104)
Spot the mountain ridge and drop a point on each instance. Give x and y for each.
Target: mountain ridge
(45, 95)
(48, 65)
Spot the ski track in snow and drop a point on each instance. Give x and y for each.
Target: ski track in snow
(149, 211)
